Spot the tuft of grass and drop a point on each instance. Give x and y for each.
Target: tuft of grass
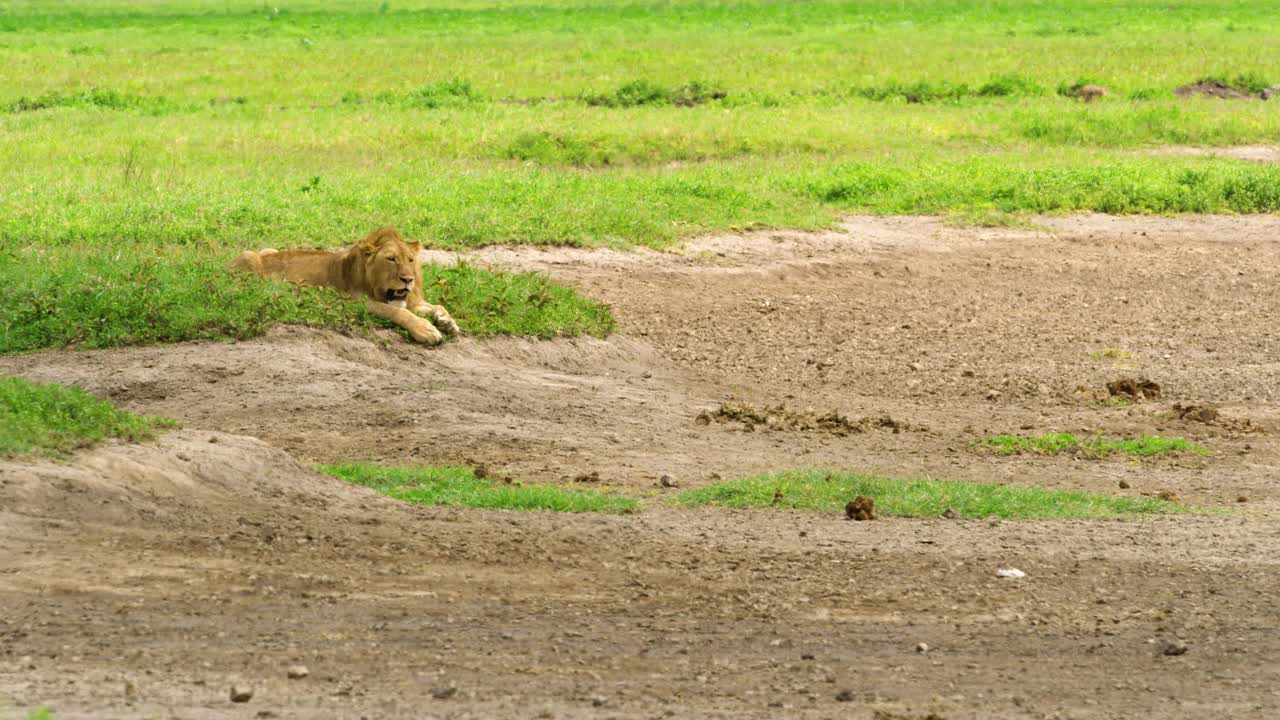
(1010, 85)
(638, 93)
(828, 491)
(105, 297)
(457, 486)
(1251, 83)
(1110, 354)
(91, 98)
(54, 420)
(1095, 446)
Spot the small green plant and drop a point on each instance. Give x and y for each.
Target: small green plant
(40, 713)
(920, 91)
(1110, 354)
(449, 93)
(1094, 446)
(828, 491)
(54, 420)
(458, 486)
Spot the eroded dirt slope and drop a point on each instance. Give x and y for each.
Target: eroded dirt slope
(141, 581)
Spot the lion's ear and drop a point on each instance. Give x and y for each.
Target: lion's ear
(415, 247)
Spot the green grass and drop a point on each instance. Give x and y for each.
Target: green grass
(458, 486)
(138, 294)
(42, 713)
(1096, 445)
(827, 491)
(53, 420)
(136, 129)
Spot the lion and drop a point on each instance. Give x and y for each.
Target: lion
(382, 268)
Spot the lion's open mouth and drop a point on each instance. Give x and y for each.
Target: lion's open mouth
(398, 294)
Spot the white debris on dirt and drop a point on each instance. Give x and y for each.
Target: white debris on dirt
(1010, 573)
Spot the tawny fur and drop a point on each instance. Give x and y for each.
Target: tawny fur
(382, 268)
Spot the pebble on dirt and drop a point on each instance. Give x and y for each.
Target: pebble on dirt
(241, 693)
(1174, 647)
(844, 696)
(444, 693)
(667, 481)
(950, 514)
(1010, 573)
(922, 647)
(860, 508)
(297, 672)
(1123, 484)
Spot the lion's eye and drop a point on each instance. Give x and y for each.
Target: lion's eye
(391, 259)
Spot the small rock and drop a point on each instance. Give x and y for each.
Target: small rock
(914, 366)
(1124, 484)
(667, 481)
(950, 514)
(241, 693)
(994, 394)
(844, 696)
(1010, 573)
(966, 373)
(860, 508)
(130, 691)
(1169, 496)
(297, 672)
(806, 656)
(1242, 498)
(213, 439)
(599, 701)
(1174, 647)
(268, 714)
(444, 693)
(591, 477)
(922, 647)
(480, 470)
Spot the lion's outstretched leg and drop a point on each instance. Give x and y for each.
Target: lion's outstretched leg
(251, 261)
(438, 315)
(419, 329)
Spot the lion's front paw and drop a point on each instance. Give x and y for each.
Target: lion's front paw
(424, 332)
(444, 321)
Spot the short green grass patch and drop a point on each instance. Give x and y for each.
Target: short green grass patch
(458, 486)
(54, 420)
(829, 491)
(141, 295)
(1095, 446)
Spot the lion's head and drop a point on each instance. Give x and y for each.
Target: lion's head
(391, 265)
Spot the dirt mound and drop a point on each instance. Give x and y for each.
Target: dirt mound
(208, 481)
(1134, 389)
(1210, 88)
(781, 417)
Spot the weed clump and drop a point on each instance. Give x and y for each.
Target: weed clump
(1095, 446)
(1009, 85)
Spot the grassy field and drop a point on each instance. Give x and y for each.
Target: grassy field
(196, 128)
(52, 420)
(829, 491)
(458, 486)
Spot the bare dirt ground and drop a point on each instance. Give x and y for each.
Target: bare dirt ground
(142, 581)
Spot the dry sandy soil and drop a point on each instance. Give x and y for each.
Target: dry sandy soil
(145, 580)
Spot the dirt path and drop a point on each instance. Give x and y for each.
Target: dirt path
(182, 567)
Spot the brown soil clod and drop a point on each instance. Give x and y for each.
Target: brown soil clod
(1134, 388)
(1169, 496)
(1089, 93)
(860, 508)
(1197, 413)
(591, 477)
(781, 417)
